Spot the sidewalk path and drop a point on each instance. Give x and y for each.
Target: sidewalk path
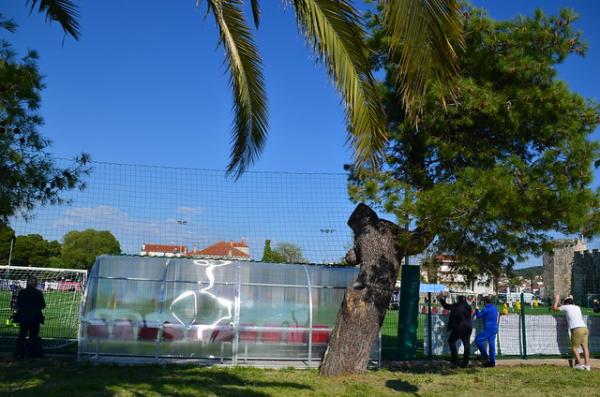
(557, 362)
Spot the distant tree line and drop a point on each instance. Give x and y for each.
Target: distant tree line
(282, 253)
(77, 251)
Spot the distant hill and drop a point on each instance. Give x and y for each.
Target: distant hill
(530, 272)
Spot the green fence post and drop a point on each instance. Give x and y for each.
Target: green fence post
(429, 328)
(523, 331)
(409, 310)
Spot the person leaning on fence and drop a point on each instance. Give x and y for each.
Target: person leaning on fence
(459, 327)
(579, 331)
(30, 303)
(489, 316)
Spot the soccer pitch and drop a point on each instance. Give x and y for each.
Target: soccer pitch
(61, 320)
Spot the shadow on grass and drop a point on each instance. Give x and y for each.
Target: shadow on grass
(438, 369)
(45, 378)
(401, 386)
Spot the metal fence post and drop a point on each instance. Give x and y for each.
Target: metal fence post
(429, 328)
(523, 331)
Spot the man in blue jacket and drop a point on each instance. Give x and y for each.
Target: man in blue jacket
(489, 316)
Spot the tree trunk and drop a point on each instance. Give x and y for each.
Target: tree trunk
(377, 249)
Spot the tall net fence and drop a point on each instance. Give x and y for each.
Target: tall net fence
(63, 290)
(193, 209)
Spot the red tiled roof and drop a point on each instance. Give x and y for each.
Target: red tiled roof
(163, 248)
(223, 248)
(445, 258)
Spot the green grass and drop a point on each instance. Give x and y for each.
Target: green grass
(61, 315)
(61, 321)
(69, 378)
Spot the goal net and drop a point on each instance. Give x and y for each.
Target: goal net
(63, 292)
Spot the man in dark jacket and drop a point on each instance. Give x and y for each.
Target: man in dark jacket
(30, 303)
(459, 327)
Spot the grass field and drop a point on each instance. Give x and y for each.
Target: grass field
(50, 378)
(61, 321)
(61, 314)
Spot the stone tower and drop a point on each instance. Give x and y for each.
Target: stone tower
(586, 276)
(558, 267)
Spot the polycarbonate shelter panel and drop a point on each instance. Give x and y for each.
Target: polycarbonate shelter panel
(197, 320)
(331, 277)
(273, 322)
(204, 271)
(210, 309)
(144, 268)
(115, 311)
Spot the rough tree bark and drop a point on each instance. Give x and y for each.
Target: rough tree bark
(379, 247)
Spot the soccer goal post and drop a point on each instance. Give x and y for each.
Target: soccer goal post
(63, 293)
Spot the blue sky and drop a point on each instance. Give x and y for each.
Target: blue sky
(146, 84)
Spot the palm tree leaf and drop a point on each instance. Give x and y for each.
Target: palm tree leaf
(65, 12)
(246, 79)
(425, 38)
(333, 28)
(7, 24)
(255, 12)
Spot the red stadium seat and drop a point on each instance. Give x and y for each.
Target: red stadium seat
(271, 336)
(148, 333)
(320, 337)
(123, 329)
(222, 334)
(248, 335)
(172, 332)
(97, 330)
(297, 337)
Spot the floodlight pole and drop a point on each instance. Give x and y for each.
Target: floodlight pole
(182, 223)
(10, 252)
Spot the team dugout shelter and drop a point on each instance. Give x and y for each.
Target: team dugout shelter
(151, 309)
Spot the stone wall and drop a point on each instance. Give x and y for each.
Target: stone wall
(558, 267)
(585, 277)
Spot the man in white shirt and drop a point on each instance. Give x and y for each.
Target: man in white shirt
(579, 331)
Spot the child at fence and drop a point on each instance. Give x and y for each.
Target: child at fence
(489, 316)
(579, 330)
(14, 293)
(459, 327)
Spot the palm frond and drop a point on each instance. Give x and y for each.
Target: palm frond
(246, 78)
(7, 24)
(255, 12)
(65, 12)
(333, 28)
(426, 37)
